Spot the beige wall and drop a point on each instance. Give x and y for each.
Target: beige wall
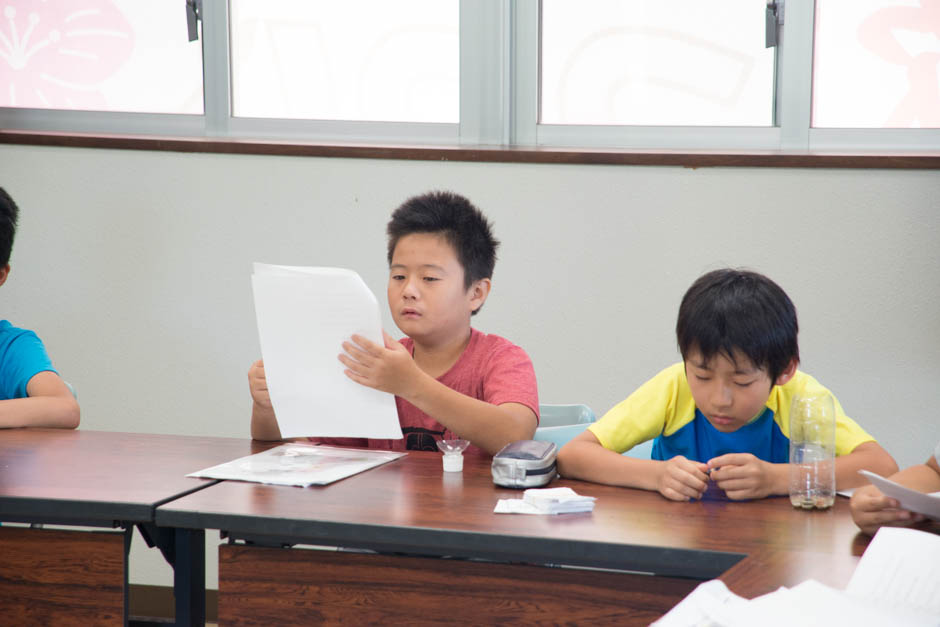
(134, 269)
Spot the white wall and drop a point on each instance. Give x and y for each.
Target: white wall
(134, 269)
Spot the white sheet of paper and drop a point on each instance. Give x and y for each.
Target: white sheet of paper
(304, 315)
(710, 604)
(897, 582)
(299, 464)
(900, 569)
(912, 500)
(813, 604)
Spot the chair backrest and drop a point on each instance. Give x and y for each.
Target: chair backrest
(643, 450)
(563, 415)
(560, 423)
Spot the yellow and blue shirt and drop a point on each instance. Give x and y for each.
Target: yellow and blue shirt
(663, 408)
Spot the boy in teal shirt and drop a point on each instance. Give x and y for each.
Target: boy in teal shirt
(31, 392)
(721, 415)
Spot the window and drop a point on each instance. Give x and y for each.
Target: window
(643, 74)
(98, 55)
(877, 64)
(656, 63)
(353, 60)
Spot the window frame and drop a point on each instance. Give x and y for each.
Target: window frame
(499, 103)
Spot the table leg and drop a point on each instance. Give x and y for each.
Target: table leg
(189, 576)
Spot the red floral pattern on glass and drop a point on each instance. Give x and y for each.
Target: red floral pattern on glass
(56, 54)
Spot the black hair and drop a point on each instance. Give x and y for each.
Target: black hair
(9, 213)
(728, 310)
(458, 221)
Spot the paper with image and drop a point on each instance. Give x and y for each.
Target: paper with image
(304, 315)
(299, 464)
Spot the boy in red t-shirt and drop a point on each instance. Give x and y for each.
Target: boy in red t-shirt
(449, 379)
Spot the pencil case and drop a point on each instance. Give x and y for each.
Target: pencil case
(525, 464)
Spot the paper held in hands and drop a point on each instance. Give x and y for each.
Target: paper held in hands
(911, 500)
(304, 315)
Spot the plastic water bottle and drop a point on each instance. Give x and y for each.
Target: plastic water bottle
(813, 451)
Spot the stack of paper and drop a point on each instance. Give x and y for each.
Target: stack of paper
(546, 501)
(558, 500)
(299, 464)
(897, 582)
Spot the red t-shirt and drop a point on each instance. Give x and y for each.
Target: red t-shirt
(491, 369)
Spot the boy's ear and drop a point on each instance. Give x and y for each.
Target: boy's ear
(478, 293)
(787, 373)
(4, 273)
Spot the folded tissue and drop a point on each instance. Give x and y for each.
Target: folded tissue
(546, 501)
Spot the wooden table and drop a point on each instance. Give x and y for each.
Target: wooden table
(96, 479)
(497, 568)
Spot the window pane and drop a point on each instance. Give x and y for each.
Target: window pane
(877, 64)
(656, 62)
(351, 60)
(99, 55)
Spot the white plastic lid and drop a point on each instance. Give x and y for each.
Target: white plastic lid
(453, 463)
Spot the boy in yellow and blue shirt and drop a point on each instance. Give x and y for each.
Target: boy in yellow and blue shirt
(722, 415)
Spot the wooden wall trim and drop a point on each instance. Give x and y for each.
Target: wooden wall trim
(588, 156)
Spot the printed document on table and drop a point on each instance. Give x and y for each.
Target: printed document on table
(897, 582)
(911, 500)
(304, 315)
(299, 464)
(900, 569)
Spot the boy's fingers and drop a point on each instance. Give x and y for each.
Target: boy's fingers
(672, 495)
(877, 503)
(349, 362)
(729, 459)
(366, 344)
(355, 377)
(693, 484)
(692, 467)
(681, 492)
(888, 516)
(391, 342)
(735, 485)
(361, 356)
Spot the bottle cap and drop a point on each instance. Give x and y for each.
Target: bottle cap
(453, 453)
(453, 462)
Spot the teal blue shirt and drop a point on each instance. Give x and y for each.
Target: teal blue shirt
(22, 356)
(700, 441)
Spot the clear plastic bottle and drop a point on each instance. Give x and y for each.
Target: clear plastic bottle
(813, 451)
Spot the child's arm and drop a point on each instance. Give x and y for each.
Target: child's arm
(866, 456)
(871, 509)
(48, 403)
(263, 422)
(744, 476)
(390, 368)
(678, 479)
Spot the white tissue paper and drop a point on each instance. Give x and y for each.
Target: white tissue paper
(546, 501)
